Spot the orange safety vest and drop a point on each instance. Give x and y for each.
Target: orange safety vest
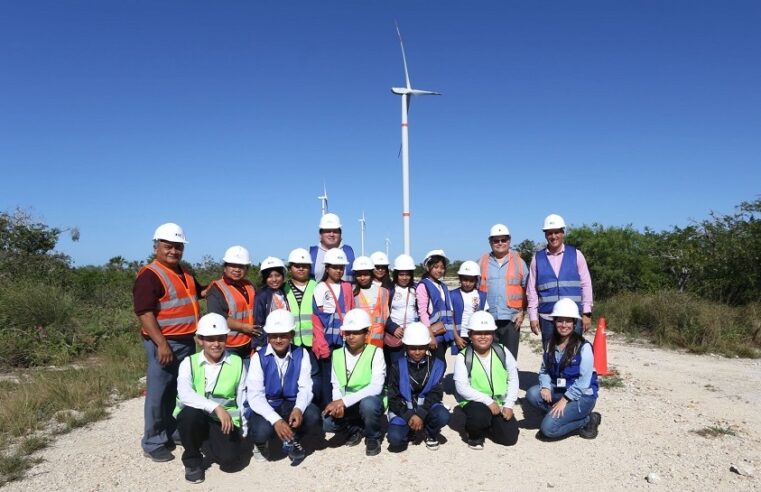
(178, 309)
(378, 316)
(238, 309)
(515, 293)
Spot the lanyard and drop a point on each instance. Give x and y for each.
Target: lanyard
(280, 371)
(489, 376)
(346, 366)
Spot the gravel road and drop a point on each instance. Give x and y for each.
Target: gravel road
(647, 439)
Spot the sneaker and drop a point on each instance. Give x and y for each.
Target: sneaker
(476, 444)
(159, 455)
(260, 452)
(194, 474)
(373, 447)
(589, 431)
(297, 453)
(432, 443)
(354, 438)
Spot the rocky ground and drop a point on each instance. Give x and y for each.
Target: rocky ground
(679, 421)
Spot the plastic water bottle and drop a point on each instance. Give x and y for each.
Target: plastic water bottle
(287, 447)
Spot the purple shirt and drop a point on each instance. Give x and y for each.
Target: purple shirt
(555, 260)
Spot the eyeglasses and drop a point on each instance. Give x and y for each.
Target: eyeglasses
(330, 231)
(300, 266)
(499, 240)
(381, 267)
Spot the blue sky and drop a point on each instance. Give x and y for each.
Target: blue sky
(226, 117)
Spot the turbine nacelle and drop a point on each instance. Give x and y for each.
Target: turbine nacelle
(403, 91)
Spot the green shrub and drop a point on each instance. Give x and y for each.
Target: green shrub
(675, 319)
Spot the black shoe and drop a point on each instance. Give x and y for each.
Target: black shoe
(297, 453)
(195, 474)
(159, 455)
(373, 447)
(476, 444)
(589, 431)
(354, 438)
(171, 445)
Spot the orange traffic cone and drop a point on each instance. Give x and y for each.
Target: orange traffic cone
(600, 349)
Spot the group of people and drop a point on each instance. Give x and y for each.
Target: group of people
(335, 343)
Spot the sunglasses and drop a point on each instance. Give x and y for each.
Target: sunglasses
(500, 240)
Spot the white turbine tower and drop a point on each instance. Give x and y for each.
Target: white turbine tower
(362, 222)
(388, 241)
(406, 93)
(324, 200)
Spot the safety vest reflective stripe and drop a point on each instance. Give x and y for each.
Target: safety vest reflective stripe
(515, 294)
(238, 308)
(559, 283)
(178, 309)
(303, 313)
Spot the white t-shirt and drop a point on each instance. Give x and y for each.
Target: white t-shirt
(324, 299)
(403, 310)
(471, 301)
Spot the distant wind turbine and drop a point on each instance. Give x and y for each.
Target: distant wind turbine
(388, 241)
(324, 200)
(406, 93)
(362, 222)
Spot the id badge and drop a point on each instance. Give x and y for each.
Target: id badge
(560, 383)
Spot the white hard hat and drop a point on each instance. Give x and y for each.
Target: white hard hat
(211, 325)
(553, 221)
(299, 255)
(404, 262)
(356, 320)
(416, 334)
(170, 232)
(435, 252)
(271, 262)
(279, 321)
(330, 221)
(482, 321)
(362, 263)
(237, 255)
(335, 256)
(470, 269)
(565, 308)
(379, 258)
(499, 230)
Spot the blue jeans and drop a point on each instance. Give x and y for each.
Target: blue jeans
(262, 431)
(437, 418)
(365, 414)
(548, 327)
(161, 393)
(575, 415)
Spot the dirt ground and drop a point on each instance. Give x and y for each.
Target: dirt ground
(649, 428)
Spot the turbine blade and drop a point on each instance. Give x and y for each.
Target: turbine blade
(404, 57)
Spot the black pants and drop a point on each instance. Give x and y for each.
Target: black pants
(479, 422)
(508, 336)
(195, 427)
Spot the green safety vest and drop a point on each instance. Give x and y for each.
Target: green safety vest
(225, 391)
(495, 384)
(362, 374)
(303, 314)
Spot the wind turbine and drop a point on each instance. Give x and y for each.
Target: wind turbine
(406, 93)
(362, 222)
(388, 241)
(324, 199)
